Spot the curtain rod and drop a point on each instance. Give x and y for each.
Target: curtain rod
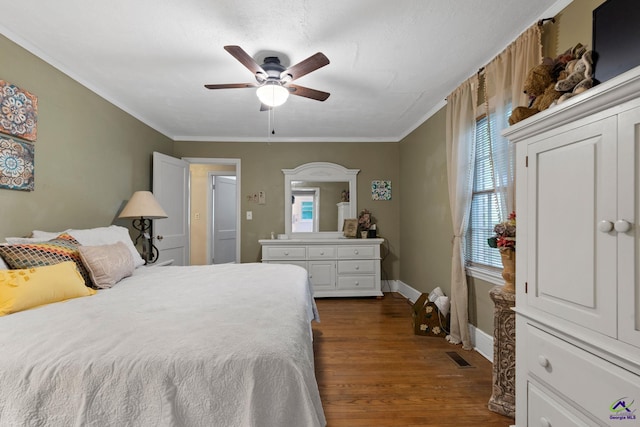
(542, 21)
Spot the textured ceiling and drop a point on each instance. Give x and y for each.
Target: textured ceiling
(392, 62)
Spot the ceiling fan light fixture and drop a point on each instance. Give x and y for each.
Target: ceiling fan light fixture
(272, 94)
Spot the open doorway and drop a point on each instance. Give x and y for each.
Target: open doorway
(214, 227)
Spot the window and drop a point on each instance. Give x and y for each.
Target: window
(484, 203)
(307, 210)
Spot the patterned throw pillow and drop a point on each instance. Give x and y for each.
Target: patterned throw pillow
(27, 255)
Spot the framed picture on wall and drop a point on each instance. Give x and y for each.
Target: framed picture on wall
(350, 227)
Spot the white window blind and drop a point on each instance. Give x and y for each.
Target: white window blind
(485, 213)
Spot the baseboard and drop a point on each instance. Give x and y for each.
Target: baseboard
(480, 340)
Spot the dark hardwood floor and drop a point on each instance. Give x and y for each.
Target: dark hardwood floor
(373, 371)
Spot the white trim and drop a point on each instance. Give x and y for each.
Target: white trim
(481, 341)
(487, 274)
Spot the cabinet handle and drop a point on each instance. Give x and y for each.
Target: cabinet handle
(543, 361)
(544, 422)
(622, 226)
(605, 226)
(159, 237)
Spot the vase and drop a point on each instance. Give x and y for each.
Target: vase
(508, 269)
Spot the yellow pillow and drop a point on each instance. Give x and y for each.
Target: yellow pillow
(32, 287)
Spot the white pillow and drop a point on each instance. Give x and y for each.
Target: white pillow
(99, 236)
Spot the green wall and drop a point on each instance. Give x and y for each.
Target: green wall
(261, 170)
(90, 156)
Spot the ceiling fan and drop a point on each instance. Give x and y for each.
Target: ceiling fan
(273, 80)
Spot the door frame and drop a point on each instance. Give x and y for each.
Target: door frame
(221, 161)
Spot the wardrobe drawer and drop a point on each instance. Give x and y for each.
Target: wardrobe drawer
(356, 282)
(591, 382)
(322, 252)
(544, 410)
(356, 267)
(285, 252)
(356, 252)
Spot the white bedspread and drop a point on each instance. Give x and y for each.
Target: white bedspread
(222, 345)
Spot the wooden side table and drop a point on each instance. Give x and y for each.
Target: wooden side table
(503, 398)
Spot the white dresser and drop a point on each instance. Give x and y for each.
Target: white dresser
(337, 267)
(577, 273)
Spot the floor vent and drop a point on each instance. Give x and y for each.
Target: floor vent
(459, 360)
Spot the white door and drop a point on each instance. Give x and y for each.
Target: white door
(224, 220)
(171, 189)
(629, 240)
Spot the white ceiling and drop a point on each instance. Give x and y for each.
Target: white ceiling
(392, 62)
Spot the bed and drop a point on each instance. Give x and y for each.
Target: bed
(227, 345)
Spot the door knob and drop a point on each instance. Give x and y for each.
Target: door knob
(622, 226)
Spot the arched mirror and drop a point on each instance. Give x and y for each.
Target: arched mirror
(318, 196)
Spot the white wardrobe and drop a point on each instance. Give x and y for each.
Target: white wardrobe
(578, 257)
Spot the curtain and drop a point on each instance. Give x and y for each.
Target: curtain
(504, 80)
(460, 138)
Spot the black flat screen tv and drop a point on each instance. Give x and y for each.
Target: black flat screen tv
(616, 38)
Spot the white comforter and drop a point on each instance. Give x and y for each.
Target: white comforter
(222, 345)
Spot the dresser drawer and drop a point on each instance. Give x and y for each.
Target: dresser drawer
(356, 282)
(356, 267)
(591, 382)
(544, 410)
(285, 252)
(356, 252)
(322, 252)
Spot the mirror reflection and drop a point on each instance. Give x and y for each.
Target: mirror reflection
(316, 206)
(315, 199)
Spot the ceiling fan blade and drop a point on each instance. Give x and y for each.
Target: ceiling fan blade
(230, 86)
(310, 64)
(244, 58)
(318, 95)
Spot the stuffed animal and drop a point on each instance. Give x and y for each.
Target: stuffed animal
(540, 86)
(579, 78)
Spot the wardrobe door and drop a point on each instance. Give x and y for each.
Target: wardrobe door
(571, 179)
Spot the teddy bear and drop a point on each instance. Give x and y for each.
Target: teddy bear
(579, 77)
(540, 86)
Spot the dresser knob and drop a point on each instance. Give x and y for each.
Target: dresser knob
(355, 252)
(357, 267)
(543, 361)
(286, 253)
(321, 252)
(622, 226)
(357, 283)
(605, 226)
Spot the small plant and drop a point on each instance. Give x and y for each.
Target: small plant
(505, 234)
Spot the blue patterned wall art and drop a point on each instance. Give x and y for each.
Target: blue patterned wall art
(381, 190)
(16, 165)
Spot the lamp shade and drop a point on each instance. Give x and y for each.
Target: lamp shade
(143, 205)
(272, 94)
